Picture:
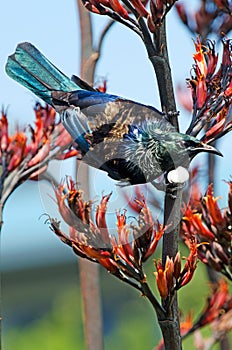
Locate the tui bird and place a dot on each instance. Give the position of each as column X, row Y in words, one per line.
column 132, row 142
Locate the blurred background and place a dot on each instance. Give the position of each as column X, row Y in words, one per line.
column 40, row 282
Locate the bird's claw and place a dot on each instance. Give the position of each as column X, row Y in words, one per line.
column 172, row 114
column 173, row 190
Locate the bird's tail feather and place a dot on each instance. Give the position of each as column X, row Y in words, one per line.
column 29, row 67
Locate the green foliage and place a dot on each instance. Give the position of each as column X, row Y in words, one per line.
column 135, row 329
column 60, row 329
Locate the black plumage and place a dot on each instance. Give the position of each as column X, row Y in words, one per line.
column 132, row 142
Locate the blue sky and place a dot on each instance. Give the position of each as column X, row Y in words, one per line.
column 52, row 26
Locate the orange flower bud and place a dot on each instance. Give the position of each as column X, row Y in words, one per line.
column 169, row 270
column 109, row 264
column 161, row 280
column 17, row 147
column 118, row 8
column 66, row 155
column 4, row 132
column 40, row 155
column 213, row 209
column 200, row 61
column 138, row 5
column 177, row 266
column 101, row 218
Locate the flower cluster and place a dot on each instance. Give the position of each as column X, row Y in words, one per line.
column 212, row 16
column 213, row 231
column 171, row 277
column 122, row 253
column 26, row 153
column 217, row 313
column 124, row 249
column 211, row 91
column 122, row 11
column 218, row 303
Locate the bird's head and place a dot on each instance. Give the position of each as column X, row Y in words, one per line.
column 194, row 146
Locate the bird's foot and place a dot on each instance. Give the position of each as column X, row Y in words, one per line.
column 174, row 190
column 172, row 114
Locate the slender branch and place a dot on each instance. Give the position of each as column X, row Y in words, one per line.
column 160, row 311
column 170, row 330
column 47, row 176
column 89, row 55
column 150, row 45
column 127, row 280
column 146, row 37
column 103, row 34
column 119, row 19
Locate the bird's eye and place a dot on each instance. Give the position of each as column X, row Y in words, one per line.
column 189, row 144
column 182, row 145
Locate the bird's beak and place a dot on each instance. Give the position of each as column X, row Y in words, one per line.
column 204, row 147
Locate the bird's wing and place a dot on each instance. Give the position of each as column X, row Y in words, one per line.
column 105, row 112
